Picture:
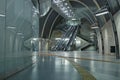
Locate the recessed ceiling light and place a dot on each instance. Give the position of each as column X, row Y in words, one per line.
column 66, row 4
column 68, row 7
column 56, row 1
column 66, row 11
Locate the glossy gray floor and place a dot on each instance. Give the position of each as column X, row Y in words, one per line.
column 54, row 68
column 101, row 67
column 49, row 68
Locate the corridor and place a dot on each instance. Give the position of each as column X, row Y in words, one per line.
column 59, row 39
column 58, row 66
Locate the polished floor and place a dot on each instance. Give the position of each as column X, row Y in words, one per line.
column 49, row 68
column 56, row 66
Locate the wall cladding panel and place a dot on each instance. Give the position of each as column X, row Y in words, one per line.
column 15, row 28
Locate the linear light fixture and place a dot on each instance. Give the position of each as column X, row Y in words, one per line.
column 96, row 27
column 11, row 27
column 35, row 39
column 101, row 12
column 57, row 38
column 19, row 33
column 57, row 1
column 2, row 15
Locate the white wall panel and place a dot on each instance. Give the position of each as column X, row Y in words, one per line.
column 13, row 55
column 117, row 21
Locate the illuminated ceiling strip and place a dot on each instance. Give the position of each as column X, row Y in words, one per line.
column 83, row 5
column 96, row 27
column 98, row 8
column 102, row 13
column 11, row 27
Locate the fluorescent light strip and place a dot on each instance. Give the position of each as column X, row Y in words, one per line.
column 35, row 39
column 11, row 27
column 66, row 4
column 2, row 15
column 94, row 27
column 56, row 1
column 19, row 33
column 102, row 13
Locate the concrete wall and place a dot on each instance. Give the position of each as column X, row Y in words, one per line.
column 108, row 33
column 2, row 36
column 108, row 37
column 99, row 42
column 15, row 28
column 117, row 21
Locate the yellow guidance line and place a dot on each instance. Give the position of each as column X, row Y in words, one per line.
column 95, row 60
column 81, row 58
column 84, row 73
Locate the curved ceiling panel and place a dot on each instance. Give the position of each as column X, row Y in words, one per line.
column 45, row 6
column 86, row 9
column 35, row 2
column 64, row 8
column 52, row 19
column 83, row 9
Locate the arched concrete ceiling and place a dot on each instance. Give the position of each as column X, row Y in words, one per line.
column 83, row 9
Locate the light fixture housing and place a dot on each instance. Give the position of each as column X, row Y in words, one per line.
column 19, row 33
column 95, row 27
column 102, row 11
column 2, row 15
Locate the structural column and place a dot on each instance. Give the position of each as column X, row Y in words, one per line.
column 43, row 45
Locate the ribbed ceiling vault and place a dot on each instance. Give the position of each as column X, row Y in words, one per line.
column 83, row 9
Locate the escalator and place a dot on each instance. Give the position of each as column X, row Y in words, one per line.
column 66, row 40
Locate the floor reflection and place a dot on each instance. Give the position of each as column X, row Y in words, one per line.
column 49, row 68
column 58, row 68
